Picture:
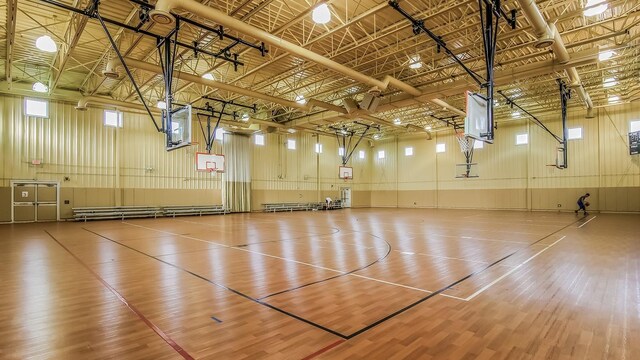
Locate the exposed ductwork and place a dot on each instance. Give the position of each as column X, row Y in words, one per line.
column 543, row 31
column 162, row 14
column 137, row 64
column 110, row 69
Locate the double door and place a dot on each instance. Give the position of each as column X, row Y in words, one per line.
column 34, row 201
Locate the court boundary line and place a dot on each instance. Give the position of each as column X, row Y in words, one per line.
column 586, row 222
column 129, row 305
column 340, row 272
column 419, row 301
column 237, row 292
column 408, row 307
column 486, row 287
column 323, row 350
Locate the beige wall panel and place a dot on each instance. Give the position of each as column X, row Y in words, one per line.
column 5, row 204
column 66, row 210
column 416, row 198
column 80, row 198
column 360, row 198
column 384, row 198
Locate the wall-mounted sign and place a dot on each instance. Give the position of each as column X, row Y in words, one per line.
column 634, row 143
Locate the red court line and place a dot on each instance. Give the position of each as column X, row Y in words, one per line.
column 324, row 349
column 151, row 325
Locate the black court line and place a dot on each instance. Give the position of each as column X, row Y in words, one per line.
column 437, row 292
column 225, row 287
column 336, row 276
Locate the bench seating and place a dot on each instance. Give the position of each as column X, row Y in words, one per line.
column 115, row 212
column 194, row 210
column 273, row 207
column 126, row 212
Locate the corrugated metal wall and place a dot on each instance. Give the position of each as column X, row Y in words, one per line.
column 77, row 145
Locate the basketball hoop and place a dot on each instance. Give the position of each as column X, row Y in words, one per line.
column 466, row 143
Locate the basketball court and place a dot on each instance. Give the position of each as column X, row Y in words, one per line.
column 325, row 285
column 277, row 179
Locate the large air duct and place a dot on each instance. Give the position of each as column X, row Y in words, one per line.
column 543, row 31
column 137, row 64
column 162, row 14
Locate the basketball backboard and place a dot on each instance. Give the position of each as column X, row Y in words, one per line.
column 180, row 133
column 345, row 172
column 475, row 124
column 209, row 162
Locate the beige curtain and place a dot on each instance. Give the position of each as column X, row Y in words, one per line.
column 237, row 174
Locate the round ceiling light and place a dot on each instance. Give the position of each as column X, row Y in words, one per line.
column 40, row 87
column 321, row 14
column 46, row 44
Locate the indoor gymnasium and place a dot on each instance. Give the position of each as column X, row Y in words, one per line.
column 319, row 179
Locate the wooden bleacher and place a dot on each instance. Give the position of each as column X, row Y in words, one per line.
column 127, row 212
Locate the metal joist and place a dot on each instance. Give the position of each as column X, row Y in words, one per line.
column 12, row 8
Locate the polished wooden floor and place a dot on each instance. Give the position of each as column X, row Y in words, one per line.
column 348, row 284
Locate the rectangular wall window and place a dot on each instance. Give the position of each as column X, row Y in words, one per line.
column 36, row 107
column 219, row 134
column 113, row 118
column 361, row 154
column 318, row 148
column 259, row 139
column 522, row 139
column 291, row 144
column 574, row 133
column 408, row 151
column 634, row 126
column 341, row 151
column 440, row 148
column 381, row 154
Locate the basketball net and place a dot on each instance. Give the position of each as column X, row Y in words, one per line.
column 466, row 143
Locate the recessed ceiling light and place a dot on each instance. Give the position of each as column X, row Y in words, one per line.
column 605, row 55
column 161, row 105
column 321, row 14
column 609, row 82
column 40, row 87
column 301, row 100
column 414, row 62
column 46, row 44
column 595, row 7
column 208, row 76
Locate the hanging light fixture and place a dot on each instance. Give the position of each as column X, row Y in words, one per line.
column 40, row 87
column 161, row 105
column 428, row 127
column 595, row 7
column 614, row 99
column 321, row 14
column 397, row 121
column 46, row 44
column 415, row 62
column 208, row 76
column 245, row 117
column 301, row 100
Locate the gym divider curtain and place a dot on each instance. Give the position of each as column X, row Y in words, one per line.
column 237, row 174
